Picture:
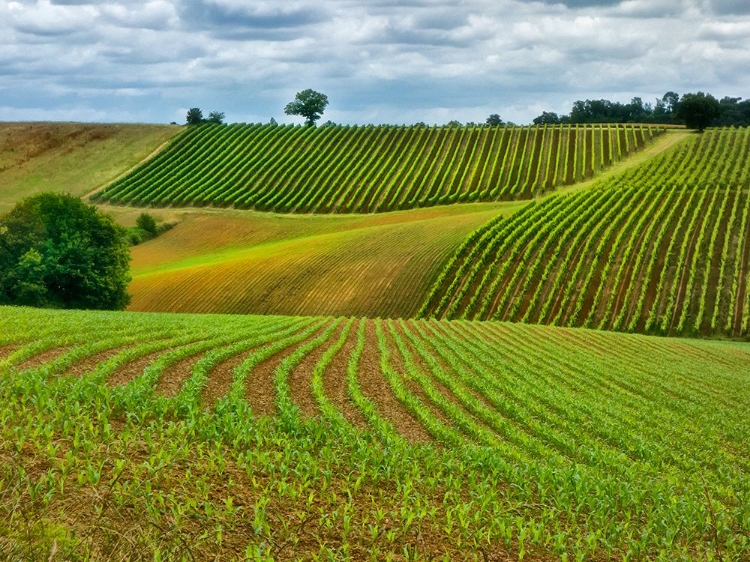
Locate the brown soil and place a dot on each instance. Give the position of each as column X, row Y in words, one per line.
column 6, row 350
column 300, row 379
column 220, row 379
column 376, row 388
column 335, row 385
column 446, row 368
column 42, row 358
column 741, row 289
column 130, row 371
column 399, row 364
column 685, row 270
column 88, row 364
column 174, row 377
column 260, row 387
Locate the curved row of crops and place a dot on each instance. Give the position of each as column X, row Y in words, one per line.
column 663, row 248
column 352, row 169
column 135, row 435
column 382, row 266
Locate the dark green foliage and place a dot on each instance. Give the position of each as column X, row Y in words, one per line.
column 494, row 120
column 547, row 118
column 57, row 251
column 698, row 110
column 146, row 222
column 308, row 104
column 194, row 116
column 216, row 117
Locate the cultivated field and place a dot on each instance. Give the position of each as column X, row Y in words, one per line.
column 70, row 158
column 177, row 437
column 342, row 169
column 244, row 262
column 662, row 248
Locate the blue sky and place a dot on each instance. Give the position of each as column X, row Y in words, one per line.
column 379, row 61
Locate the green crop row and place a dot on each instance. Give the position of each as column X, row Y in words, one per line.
column 661, row 248
column 359, row 439
column 353, row 169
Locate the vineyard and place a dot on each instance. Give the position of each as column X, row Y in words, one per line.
column 663, row 248
column 129, row 436
column 351, row 169
column 239, row 262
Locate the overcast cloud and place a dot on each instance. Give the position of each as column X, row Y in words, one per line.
column 379, row 61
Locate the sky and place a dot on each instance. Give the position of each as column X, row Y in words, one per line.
column 378, row 61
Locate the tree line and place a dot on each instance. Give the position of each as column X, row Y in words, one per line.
column 670, row 109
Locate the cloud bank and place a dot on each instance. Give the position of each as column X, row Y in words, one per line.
column 379, row 61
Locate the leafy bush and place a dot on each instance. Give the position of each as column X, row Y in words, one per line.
column 56, row 251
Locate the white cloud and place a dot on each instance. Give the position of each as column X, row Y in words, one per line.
column 378, row 60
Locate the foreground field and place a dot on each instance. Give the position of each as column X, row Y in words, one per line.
column 73, row 158
column 259, row 263
column 336, row 169
column 662, row 248
column 175, row 436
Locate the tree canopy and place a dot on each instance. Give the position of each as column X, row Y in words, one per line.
column 216, row 117
column 494, row 120
column 730, row 111
column 698, row 110
column 194, row 116
column 308, row 104
column 57, row 251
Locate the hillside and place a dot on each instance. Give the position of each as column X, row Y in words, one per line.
column 73, row 158
column 260, row 263
column 253, row 437
column 343, row 169
column 662, row 248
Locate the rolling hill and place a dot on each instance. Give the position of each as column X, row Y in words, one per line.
column 73, row 158
column 202, row 436
column 343, row 169
column 662, row 248
column 260, row 263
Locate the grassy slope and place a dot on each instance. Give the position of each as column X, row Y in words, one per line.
column 244, row 262
column 70, row 158
column 660, row 248
column 134, row 436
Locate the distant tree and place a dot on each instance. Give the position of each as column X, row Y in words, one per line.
column 329, row 123
column 494, row 121
column 194, row 116
column 57, row 251
column 272, row 121
column 698, row 110
column 216, row 117
column 146, row 222
column 670, row 101
column 454, row 123
column 308, row 104
column 547, row 118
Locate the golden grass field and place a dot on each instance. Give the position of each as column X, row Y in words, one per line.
column 241, row 262
column 73, row 158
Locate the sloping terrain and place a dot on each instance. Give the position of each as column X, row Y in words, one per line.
column 73, row 158
column 259, row 263
column 279, row 437
column 343, row 169
column 663, row 248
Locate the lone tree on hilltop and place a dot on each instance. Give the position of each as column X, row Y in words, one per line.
column 494, row 120
column 58, row 252
column 698, row 110
column 216, row 117
column 308, row 104
column 194, row 116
